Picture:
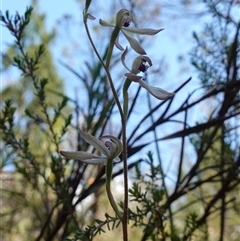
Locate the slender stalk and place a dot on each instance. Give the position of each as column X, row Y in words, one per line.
column 123, row 218
column 115, row 95
column 125, row 166
column 223, row 198
column 125, row 173
column 109, row 167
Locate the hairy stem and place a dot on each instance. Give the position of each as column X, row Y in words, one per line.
column 123, row 218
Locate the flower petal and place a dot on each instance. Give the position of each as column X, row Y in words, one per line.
column 141, row 61
column 123, row 16
column 90, row 16
column 85, row 157
column 136, row 64
column 123, row 59
column 155, row 91
column 148, row 60
column 114, row 145
column 95, row 142
column 116, row 159
column 134, row 44
column 118, row 45
column 142, row 31
column 105, row 24
column 77, row 155
column 133, row 77
column 97, row 161
column 113, row 149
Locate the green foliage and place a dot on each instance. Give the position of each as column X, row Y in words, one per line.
column 31, row 36
column 99, row 104
column 216, row 51
column 32, row 139
column 97, row 228
column 147, row 212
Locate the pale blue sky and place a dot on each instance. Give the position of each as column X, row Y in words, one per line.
column 169, row 44
column 173, row 41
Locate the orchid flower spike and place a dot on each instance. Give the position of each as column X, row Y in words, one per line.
column 110, row 148
column 141, row 64
column 123, row 21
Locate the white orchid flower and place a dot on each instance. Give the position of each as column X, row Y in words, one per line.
column 123, row 21
column 141, row 64
column 110, row 148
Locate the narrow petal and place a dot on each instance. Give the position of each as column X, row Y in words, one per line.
column 84, row 157
column 118, row 45
column 142, row 31
column 95, row 142
column 123, row 59
column 90, row 16
column 78, row 155
column 116, row 159
column 105, row 24
column 97, row 161
column 155, row 91
column 133, row 77
column 134, row 44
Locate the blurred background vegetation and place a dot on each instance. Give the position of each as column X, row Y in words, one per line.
column 184, row 153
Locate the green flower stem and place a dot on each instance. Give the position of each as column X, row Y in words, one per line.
column 125, row 174
column 109, row 168
column 125, row 166
column 106, row 68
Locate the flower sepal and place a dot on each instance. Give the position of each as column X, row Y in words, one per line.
column 141, row 64
column 123, row 21
column 110, row 148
